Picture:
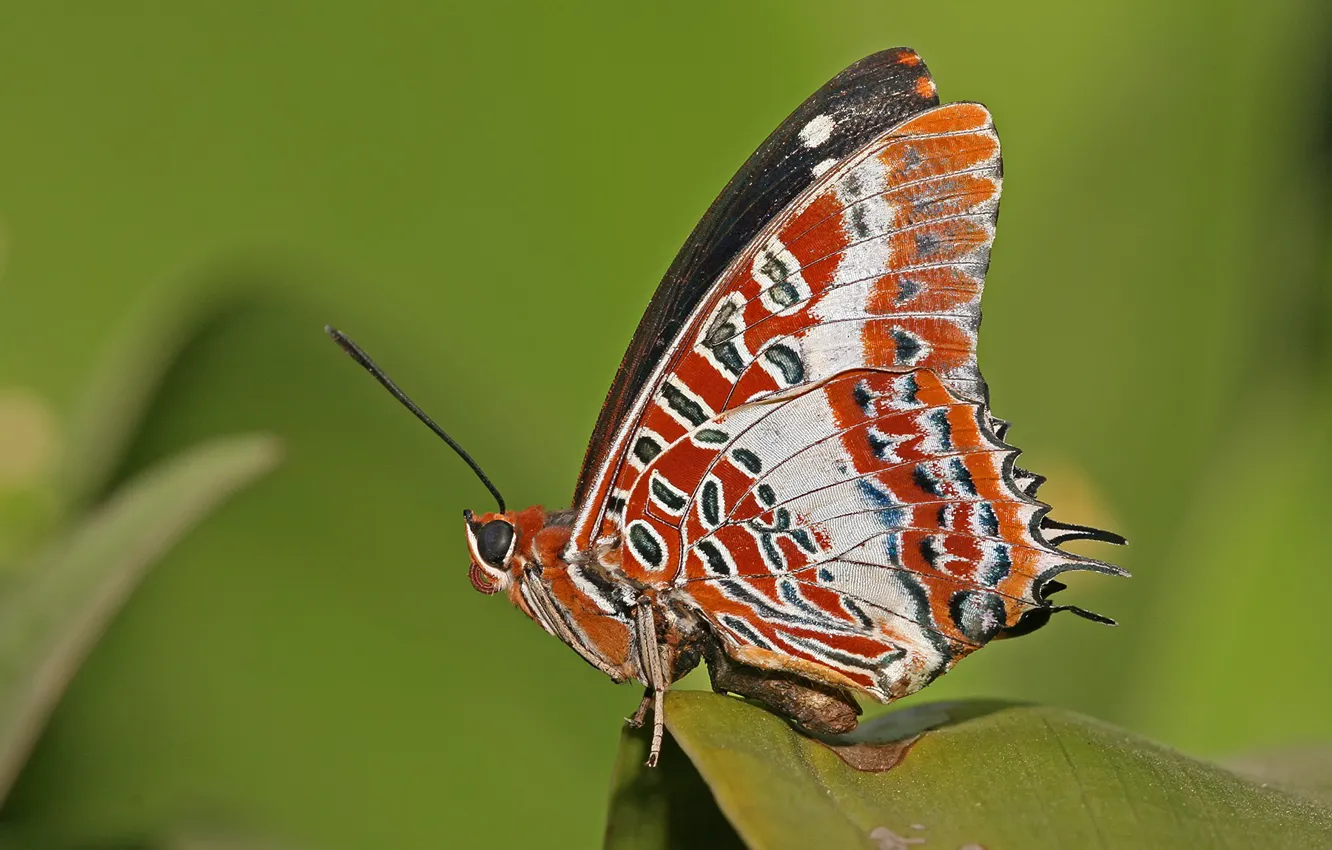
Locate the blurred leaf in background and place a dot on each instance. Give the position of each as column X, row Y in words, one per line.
column 70, row 561
column 54, row 609
column 485, row 196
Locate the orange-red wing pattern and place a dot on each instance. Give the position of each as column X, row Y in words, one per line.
column 816, row 473
column 796, row 468
column 865, row 530
column 880, row 263
column 833, row 123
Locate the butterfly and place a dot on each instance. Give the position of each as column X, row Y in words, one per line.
column 796, row 476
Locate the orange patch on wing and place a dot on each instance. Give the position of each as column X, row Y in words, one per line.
column 908, row 58
column 939, row 289
column 949, row 241
column 925, row 87
column 931, row 391
column 943, row 196
column 753, row 381
column 662, row 423
column 840, row 395
column 820, row 208
column 953, row 118
column 825, row 238
column 913, row 158
column 949, row 347
column 704, row 379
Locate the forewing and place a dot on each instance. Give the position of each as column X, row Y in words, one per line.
column 880, row 263
column 866, row 531
column 852, row 108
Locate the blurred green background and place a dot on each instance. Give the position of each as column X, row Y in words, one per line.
column 485, row 195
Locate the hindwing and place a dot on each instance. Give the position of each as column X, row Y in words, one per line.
column 866, row 530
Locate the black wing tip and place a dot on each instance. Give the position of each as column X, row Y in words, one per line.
column 901, row 55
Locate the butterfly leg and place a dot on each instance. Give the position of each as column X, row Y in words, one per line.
column 652, row 671
column 641, row 714
column 821, row 709
column 658, row 726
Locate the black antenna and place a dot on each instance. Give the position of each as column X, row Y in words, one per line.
column 369, row 365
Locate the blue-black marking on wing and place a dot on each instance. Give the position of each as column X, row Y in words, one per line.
column 864, row 100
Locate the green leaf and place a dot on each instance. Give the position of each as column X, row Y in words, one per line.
column 955, row 775
column 666, row 809
column 52, row 611
column 1304, row 770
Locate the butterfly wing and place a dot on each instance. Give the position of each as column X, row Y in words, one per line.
column 880, row 262
column 865, row 530
column 855, row 106
column 810, row 465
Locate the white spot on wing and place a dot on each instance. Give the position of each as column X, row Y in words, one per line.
column 817, row 131
column 823, row 166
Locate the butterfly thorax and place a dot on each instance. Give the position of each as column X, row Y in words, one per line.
column 578, row 597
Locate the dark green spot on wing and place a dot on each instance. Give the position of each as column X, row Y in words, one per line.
column 672, row 499
column 787, row 362
column 749, row 460
column 682, row 404
column 710, row 503
column 645, row 545
column 646, row 448
column 711, row 435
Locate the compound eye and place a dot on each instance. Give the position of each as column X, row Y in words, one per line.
column 493, row 541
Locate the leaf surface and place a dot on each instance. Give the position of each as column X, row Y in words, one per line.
column 957, row 775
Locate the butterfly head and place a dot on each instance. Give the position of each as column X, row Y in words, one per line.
column 493, row 541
